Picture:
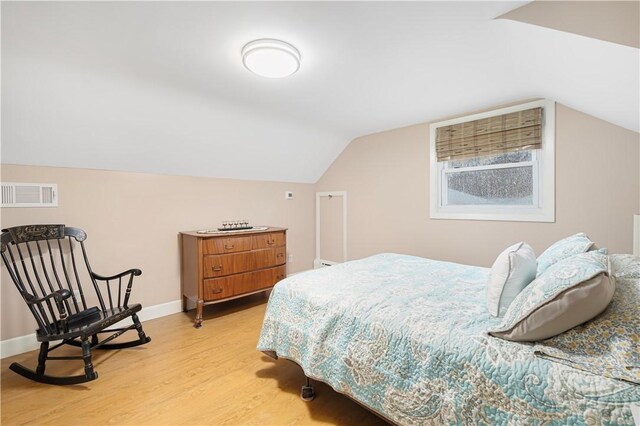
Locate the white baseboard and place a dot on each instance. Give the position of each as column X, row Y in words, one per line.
column 18, row 345
column 161, row 310
column 21, row 344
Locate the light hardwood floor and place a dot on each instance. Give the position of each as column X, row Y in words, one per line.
column 210, row 376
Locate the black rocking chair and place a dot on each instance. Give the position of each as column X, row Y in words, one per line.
column 41, row 260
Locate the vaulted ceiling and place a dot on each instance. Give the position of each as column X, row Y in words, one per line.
column 159, row 86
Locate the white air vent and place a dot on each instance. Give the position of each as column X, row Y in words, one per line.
column 29, row 194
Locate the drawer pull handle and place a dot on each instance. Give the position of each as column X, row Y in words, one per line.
column 217, row 268
column 280, row 254
column 217, row 291
column 229, row 247
column 271, row 242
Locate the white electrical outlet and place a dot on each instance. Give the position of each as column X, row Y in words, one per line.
column 288, row 195
column 290, row 258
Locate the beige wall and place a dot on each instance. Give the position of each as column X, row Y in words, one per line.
column 615, row 21
column 133, row 220
column 386, row 176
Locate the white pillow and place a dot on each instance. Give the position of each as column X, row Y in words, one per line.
column 512, row 271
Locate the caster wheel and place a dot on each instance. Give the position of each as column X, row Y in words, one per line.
column 307, row 393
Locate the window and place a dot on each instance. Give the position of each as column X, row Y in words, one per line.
column 497, row 165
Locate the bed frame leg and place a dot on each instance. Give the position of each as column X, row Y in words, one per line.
column 308, row 392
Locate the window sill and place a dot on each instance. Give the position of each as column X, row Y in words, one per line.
column 523, row 215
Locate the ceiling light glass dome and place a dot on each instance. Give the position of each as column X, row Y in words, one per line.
column 271, row 58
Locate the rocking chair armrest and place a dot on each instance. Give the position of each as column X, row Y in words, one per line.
column 134, row 272
column 58, row 295
column 130, row 273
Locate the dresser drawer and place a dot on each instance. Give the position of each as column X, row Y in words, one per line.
column 219, row 265
column 279, row 274
column 267, row 258
column 271, row 239
column 220, row 288
column 227, row 245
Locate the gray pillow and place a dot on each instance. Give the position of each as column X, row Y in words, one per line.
column 567, row 294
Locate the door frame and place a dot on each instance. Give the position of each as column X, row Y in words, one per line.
column 319, row 262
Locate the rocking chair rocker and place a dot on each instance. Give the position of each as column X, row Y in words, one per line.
column 42, row 263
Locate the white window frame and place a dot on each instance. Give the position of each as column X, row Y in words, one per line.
column 543, row 162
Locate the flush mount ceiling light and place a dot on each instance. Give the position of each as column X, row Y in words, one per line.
column 271, row 58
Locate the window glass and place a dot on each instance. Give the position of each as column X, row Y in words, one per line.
column 503, row 186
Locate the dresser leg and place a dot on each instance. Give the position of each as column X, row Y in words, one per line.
column 198, row 322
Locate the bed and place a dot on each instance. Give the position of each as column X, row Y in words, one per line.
column 407, row 338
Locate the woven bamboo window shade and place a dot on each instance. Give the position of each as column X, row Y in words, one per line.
column 515, row 131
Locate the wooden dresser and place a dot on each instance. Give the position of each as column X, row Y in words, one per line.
column 224, row 266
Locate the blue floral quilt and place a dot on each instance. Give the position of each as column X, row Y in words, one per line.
column 406, row 337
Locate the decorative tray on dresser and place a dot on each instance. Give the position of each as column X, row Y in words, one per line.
column 224, row 265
